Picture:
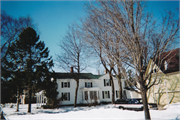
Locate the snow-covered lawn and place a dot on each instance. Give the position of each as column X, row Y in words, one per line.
column 104, row 112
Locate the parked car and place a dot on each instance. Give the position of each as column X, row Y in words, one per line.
column 129, row 104
column 133, row 104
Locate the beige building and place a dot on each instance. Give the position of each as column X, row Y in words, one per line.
column 168, row 76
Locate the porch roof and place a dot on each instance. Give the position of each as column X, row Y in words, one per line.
column 90, row 88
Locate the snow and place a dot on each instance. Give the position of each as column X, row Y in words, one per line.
column 103, row 112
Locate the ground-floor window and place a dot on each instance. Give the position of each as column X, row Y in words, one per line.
column 93, row 95
column 105, row 94
column 66, row 96
column 86, row 95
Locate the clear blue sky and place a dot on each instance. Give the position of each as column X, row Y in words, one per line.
column 53, row 17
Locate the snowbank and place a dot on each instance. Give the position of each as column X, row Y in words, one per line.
column 105, row 112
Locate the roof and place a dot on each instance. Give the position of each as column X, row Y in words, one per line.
column 172, row 59
column 74, row 76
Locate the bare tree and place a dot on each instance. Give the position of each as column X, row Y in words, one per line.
column 95, row 37
column 73, row 55
column 140, row 39
column 11, row 28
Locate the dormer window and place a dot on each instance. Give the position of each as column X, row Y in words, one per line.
column 165, row 65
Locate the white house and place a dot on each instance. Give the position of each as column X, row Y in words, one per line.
column 92, row 88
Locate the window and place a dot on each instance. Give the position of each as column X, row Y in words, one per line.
column 86, row 95
column 107, row 82
column 88, row 84
column 105, row 94
column 65, row 84
column 66, row 96
column 93, row 95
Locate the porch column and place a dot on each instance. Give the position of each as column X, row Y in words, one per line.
column 43, row 99
column 36, row 101
column 88, row 96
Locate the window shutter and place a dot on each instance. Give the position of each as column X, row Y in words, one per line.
column 116, row 94
column 91, row 84
column 103, row 94
column 68, row 96
column 68, row 84
column 62, row 96
column 104, row 82
column 85, row 84
column 108, row 95
column 61, row 84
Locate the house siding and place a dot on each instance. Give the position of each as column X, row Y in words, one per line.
column 97, row 85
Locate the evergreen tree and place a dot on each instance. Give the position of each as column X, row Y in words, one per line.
column 12, row 75
column 31, row 59
column 50, row 87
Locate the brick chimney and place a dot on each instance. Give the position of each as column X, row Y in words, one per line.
column 105, row 71
column 72, row 71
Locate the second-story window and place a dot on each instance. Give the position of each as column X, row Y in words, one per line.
column 88, row 84
column 107, row 82
column 65, row 84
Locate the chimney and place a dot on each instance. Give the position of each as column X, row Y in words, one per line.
column 98, row 72
column 105, row 71
column 72, row 70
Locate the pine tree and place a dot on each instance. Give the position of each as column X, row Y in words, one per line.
column 31, row 59
column 50, row 87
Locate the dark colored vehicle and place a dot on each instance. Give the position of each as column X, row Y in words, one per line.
column 129, row 104
column 133, row 104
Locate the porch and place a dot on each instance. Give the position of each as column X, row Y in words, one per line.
column 90, row 95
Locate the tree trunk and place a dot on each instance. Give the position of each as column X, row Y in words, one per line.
column 29, row 105
column 112, row 86
column 76, row 92
column 17, row 101
column 120, row 86
column 145, row 105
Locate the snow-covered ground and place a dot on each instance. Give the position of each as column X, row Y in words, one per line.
column 104, row 112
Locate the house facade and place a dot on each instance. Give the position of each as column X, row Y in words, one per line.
column 168, row 89
column 92, row 88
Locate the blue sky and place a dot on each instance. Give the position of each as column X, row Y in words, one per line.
column 53, row 17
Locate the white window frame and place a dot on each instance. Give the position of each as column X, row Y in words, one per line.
column 105, row 94
column 67, row 97
column 65, row 84
column 88, row 84
column 107, row 82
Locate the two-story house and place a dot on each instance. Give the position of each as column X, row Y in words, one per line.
column 92, row 88
column 168, row 75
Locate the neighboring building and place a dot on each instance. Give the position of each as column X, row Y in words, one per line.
column 92, row 88
column 24, row 97
column 41, row 99
column 168, row 90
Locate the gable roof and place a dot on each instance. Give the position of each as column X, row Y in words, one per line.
column 74, row 76
column 172, row 59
